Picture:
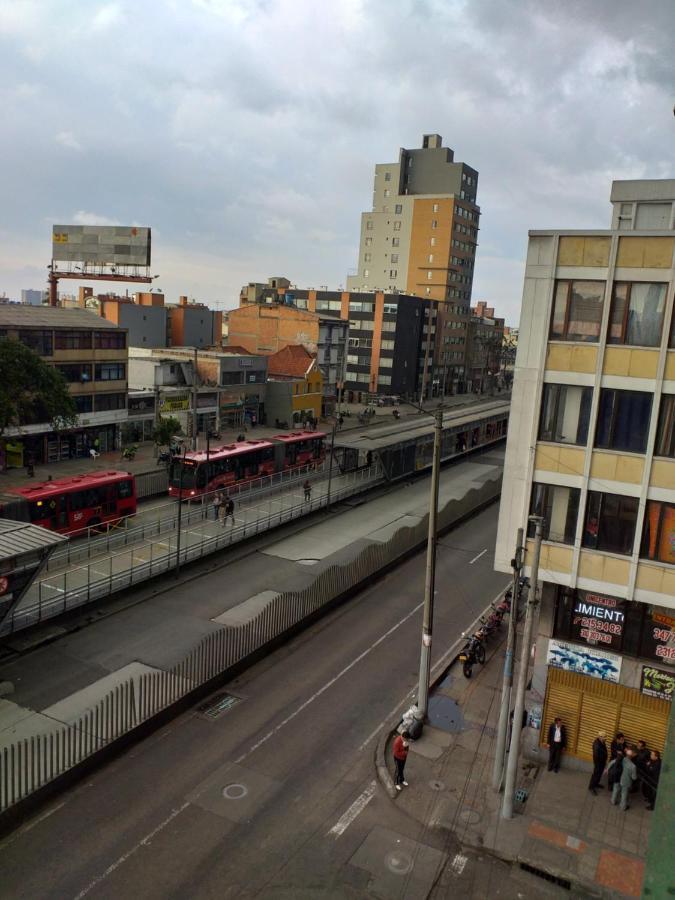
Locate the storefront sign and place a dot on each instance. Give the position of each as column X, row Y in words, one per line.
column 207, row 401
column 573, row 658
column 658, row 639
column 598, row 620
column 140, row 405
column 174, row 404
column 657, row 683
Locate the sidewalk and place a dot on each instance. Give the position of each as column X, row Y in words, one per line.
column 561, row 829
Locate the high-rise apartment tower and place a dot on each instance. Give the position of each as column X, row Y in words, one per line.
column 420, row 238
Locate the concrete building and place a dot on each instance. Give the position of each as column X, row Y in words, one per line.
column 152, row 323
column 91, row 354
column 34, row 298
column 420, row 239
column 294, row 387
column 591, row 448
column 485, row 340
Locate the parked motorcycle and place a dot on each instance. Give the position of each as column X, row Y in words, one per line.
column 471, row 654
column 129, row 452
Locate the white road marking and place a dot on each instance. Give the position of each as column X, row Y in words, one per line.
column 328, row 684
column 458, row 863
column 357, row 807
column 122, row 859
column 476, row 558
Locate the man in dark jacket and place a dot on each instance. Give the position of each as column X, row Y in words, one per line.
column 650, row 781
column 617, row 745
column 557, row 741
column 599, row 762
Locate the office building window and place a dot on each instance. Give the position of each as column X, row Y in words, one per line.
column 431, row 257
column 367, row 257
column 432, row 242
column 352, row 360
column 623, row 420
column 366, row 273
column 387, row 176
column 434, row 223
column 658, row 532
column 397, row 226
column 637, row 314
column 559, row 507
column 565, row 413
column 387, row 192
column 665, row 433
column 73, row 340
column 398, row 209
column 369, row 225
column 110, row 371
column 110, row 340
column 369, row 242
column 387, row 345
column 577, row 311
column 388, row 325
column 84, row 403
column 40, row 342
column 610, row 523
column 435, row 207
column 395, row 242
column 361, row 306
column 427, row 290
column 430, row 275
column 110, row 401
column 75, row 373
column 390, row 309
column 384, row 379
column 393, row 258
column 386, row 362
column 393, row 273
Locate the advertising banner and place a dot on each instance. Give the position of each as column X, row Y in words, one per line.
column 174, row 404
column 658, row 637
column 583, row 660
column 657, row 683
column 598, row 620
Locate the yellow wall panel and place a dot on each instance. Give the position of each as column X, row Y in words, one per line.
column 633, row 363
column 669, row 374
column 571, row 358
column 603, row 465
column 590, row 565
column 560, row 559
column 596, row 251
column 668, row 583
column 616, row 570
column 650, row 578
column 571, row 460
column 547, row 458
column 603, row 568
column 629, row 469
column 645, row 252
column 570, row 251
column 663, row 473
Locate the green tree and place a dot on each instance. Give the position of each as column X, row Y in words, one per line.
column 32, row 391
column 165, row 430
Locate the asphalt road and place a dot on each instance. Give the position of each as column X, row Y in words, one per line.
column 276, row 796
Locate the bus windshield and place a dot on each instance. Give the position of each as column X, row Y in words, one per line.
column 191, row 473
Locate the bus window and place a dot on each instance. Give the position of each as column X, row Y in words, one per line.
column 125, row 489
column 38, row 510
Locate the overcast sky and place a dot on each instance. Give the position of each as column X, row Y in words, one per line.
column 245, row 132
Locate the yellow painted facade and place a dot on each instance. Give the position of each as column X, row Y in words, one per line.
column 307, row 393
column 556, row 458
column 601, row 567
column 553, row 557
column 571, row 358
column 583, row 251
column 617, row 467
column 653, row 577
column 663, row 474
column 645, row 252
column 630, row 362
column 669, row 373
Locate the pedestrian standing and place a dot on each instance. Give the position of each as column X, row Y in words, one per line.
column 622, row 787
column 307, row 488
column 557, row 741
column 217, row 503
column 618, row 745
column 401, row 747
column 650, row 780
column 229, row 510
column 599, row 762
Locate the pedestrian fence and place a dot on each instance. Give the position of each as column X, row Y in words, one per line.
column 60, row 592
column 109, row 536
column 31, row 763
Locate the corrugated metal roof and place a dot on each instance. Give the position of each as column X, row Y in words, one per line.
column 21, row 316
column 17, row 538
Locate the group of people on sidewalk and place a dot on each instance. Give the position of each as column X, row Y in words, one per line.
column 223, row 505
column 632, row 767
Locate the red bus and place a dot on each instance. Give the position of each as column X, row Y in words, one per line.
column 242, row 461
column 71, row 504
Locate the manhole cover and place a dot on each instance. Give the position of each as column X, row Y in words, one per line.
column 235, row 791
column 469, row 817
column 437, row 785
column 217, row 705
column 399, row 862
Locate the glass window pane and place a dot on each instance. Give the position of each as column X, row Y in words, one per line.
column 658, row 533
column 610, row 522
column 559, row 307
column 665, row 435
column 623, row 420
column 585, row 311
column 645, row 317
column 559, row 507
column 616, row 323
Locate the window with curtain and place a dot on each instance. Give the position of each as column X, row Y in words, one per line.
column 610, row 523
column 658, row 532
column 637, row 313
column 559, row 507
column 665, row 432
column 565, row 412
column 577, row 311
column 623, row 420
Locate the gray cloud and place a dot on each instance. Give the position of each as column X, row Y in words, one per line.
column 245, row 133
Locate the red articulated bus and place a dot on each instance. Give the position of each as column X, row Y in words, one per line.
column 68, row 505
column 242, row 461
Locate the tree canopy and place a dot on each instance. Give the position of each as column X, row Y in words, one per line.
column 165, row 430
column 32, row 391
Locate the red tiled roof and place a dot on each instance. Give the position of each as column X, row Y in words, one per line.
column 292, row 361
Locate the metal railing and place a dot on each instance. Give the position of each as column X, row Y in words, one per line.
column 57, row 593
column 30, row 764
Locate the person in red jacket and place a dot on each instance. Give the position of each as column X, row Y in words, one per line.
column 401, row 747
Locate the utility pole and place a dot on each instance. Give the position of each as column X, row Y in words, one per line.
column 330, row 464
column 426, row 355
column 194, row 402
column 507, row 679
column 430, row 578
column 180, row 511
column 514, row 749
